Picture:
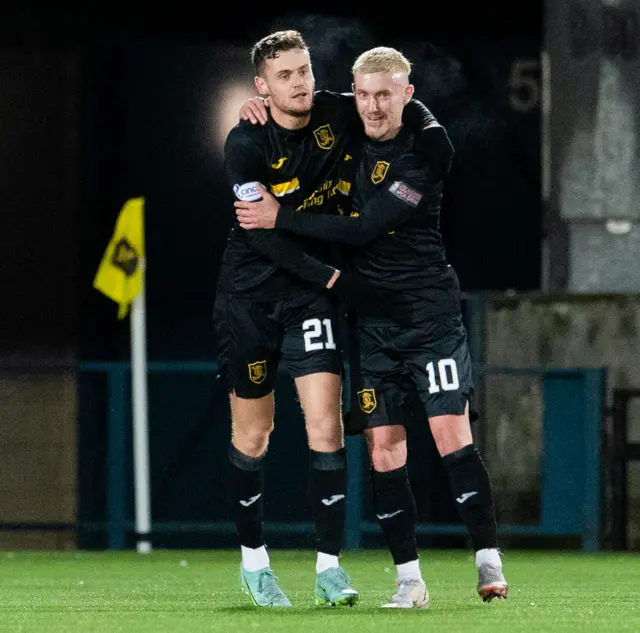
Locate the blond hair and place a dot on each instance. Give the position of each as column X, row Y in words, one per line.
column 381, row 60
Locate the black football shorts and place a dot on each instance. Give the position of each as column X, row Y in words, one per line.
column 404, row 375
column 256, row 339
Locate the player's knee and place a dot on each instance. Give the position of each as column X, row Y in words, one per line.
column 387, row 447
column 385, row 459
column 450, row 433
column 324, row 432
column 386, row 453
column 252, row 439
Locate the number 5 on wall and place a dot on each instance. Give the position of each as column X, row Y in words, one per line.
column 524, row 85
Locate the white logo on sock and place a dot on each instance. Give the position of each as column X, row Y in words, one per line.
column 332, row 499
column 388, row 516
column 250, row 500
column 465, row 495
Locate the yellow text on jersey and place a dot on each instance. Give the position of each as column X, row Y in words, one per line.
column 325, row 191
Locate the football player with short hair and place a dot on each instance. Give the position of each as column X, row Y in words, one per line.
column 276, row 307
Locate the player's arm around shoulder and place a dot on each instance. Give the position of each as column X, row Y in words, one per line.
column 435, row 147
column 333, row 98
column 341, row 104
column 432, row 140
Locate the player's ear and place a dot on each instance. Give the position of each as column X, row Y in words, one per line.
column 408, row 93
column 261, row 86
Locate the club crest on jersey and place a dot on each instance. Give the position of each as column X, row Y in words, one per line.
column 258, row 371
column 324, row 136
column 367, row 399
column 379, row 171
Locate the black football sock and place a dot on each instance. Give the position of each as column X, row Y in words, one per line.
column 471, row 488
column 327, row 498
column 395, row 508
column 246, row 488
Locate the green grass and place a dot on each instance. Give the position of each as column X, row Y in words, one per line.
column 197, row 591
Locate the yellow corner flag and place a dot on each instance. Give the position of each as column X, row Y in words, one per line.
column 120, row 273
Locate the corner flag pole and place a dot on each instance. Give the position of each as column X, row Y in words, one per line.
column 121, row 277
column 140, row 418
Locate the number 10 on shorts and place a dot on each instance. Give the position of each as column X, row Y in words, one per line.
column 446, row 378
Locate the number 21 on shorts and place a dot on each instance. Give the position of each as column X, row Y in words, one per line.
column 446, row 377
column 315, row 331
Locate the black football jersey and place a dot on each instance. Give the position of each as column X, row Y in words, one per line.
column 301, row 168
column 393, row 225
column 305, row 170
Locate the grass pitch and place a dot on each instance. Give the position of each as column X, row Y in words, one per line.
column 198, row 591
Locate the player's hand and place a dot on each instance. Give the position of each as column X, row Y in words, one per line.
column 255, row 110
column 261, row 214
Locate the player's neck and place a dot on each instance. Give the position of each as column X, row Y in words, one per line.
column 288, row 121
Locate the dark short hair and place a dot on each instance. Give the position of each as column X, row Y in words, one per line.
column 271, row 46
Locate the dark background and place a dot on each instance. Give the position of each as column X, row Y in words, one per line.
column 109, row 104
column 28, row 24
